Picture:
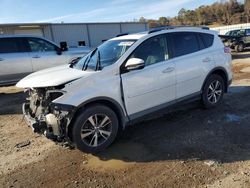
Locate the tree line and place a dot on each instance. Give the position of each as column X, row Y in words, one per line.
column 219, row 13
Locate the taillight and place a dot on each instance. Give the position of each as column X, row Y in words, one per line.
column 227, row 50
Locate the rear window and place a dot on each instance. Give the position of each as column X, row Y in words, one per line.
column 8, row 45
column 184, row 43
column 207, row 39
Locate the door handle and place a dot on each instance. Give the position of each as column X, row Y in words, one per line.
column 206, row 60
column 169, row 69
column 1, row 59
column 36, row 56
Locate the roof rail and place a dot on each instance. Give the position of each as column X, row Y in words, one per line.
column 156, row 29
column 122, row 34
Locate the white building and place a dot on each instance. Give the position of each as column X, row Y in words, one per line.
column 75, row 34
column 223, row 29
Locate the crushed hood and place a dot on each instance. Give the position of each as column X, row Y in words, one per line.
column 52, row 77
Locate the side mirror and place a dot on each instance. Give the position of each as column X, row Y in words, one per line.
column 58, row 51
column 64, row 46
column 135, row 64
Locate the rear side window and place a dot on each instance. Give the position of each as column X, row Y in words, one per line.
column 9, row 45
column 207, row 39
column 184, row 43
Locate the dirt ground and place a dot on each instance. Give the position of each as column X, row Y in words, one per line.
column 189, row 147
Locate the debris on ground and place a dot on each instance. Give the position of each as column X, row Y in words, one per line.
column 212, row 163
column 23, row 144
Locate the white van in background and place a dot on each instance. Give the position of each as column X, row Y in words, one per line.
column 21, row 55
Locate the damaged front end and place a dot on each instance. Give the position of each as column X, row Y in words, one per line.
column 46, row 117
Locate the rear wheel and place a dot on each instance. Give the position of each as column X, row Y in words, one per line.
column 239, row 47
column 213, row 91
column 95, row 129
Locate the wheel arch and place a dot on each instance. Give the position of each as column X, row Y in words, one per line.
column 111, row 103
column 221, row 72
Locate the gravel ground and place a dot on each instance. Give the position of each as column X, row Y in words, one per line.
column 188, row 147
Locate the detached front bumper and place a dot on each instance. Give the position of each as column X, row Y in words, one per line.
column 53, row 125
column 36, row 125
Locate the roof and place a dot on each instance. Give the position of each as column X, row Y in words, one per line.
column 20, row 36
column 136, row 36
column 90, row 23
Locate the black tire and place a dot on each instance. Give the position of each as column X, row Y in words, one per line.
column 240, row 47
column 85, row 123
column 211, row 98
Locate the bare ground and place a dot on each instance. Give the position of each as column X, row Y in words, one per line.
column 189, row 147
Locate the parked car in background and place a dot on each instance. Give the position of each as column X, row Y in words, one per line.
column 22, row 55
column 237, row 39
column 123, row 81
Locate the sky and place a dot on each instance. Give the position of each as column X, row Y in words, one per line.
column 68, row 11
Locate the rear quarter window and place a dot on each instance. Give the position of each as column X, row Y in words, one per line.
column 207, row 39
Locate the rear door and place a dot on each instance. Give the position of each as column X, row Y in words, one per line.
column 190, row 62
column 15, row 62
column 44, row 54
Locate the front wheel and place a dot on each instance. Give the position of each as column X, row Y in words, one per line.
column 213, row 91
column 95, row 129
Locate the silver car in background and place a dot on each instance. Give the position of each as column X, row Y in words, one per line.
column 22, row 55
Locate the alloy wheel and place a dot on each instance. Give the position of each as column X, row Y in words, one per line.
column 96, row 130
column 214, row 92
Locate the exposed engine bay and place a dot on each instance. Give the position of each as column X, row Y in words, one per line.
column 44, row 116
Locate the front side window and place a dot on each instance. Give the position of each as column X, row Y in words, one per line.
column 9, row 45
column 39, row 45
column 152, row 51
column 184, row 43
column 241, row 33
column 106, row 54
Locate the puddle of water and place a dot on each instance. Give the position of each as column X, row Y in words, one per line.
column 118, row 156
column 238, row 89
column 233, row 118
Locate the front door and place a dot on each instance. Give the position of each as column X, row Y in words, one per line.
column 44, row 54
column 247, row 37
column 152, row 87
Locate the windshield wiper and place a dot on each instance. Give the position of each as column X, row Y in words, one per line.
column 74, row 61
column 85, row 65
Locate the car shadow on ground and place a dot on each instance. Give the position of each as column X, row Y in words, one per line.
column 11, row 103
column 189, row 132
column 241, row 55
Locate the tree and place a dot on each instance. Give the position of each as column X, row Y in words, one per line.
column 247, row 10
column 163, row 21
column 142, row 19
column 223, row 12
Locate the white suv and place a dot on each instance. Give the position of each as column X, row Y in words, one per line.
column 124, row 80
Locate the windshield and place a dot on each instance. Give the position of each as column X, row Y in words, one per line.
column 106, row 54
column 236, row 33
